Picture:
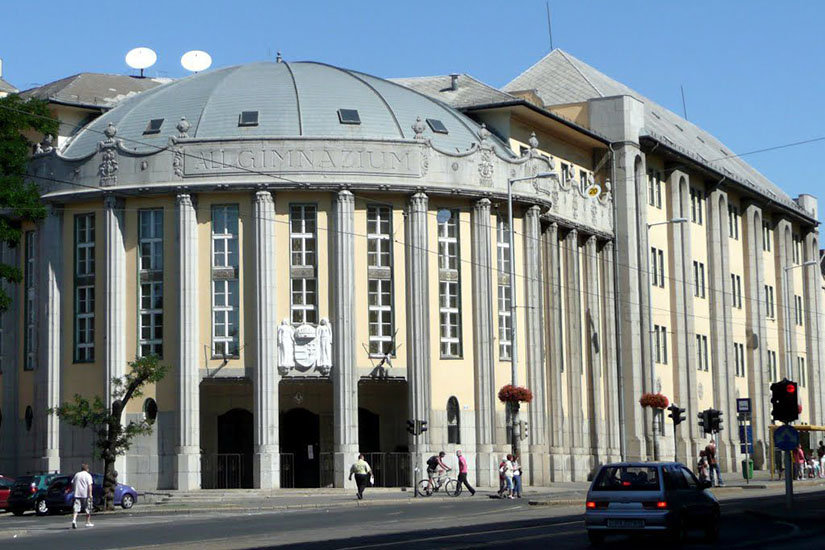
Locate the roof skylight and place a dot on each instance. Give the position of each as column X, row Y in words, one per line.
column 437, row 126
column 153, row 127
column 349, row 116
column 248, row 118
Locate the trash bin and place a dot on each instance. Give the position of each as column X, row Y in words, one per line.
column 747, row 471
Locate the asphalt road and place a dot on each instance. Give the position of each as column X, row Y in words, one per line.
column 440, row 522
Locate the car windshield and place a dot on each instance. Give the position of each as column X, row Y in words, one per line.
column 61, row 482
column 24, row 480
column 627, row 478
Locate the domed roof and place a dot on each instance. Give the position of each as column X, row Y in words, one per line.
column 291, row 100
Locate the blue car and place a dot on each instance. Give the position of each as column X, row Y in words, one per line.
column 60, row 494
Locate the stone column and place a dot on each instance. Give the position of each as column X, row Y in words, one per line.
column 756, row 330
column 418, row 319
column 483, row 338
column 593, row 356
column 266, row 472
column 683, row 328
column 537, row 410
column 612, row 395
column 48, row 371
column 187, row 465
column 114, row 284
column 812, row 282
column 580, row 456
column 344, row 373
column 784, row 299
column 721, row 323
column 558, row 432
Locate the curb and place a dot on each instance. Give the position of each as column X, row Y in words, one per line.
column 13, row 534
column 559, row 502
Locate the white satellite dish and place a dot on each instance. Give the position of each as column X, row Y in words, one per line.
column 196, row 61
column 141, row 58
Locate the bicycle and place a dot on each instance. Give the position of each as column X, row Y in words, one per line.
column 450, row 485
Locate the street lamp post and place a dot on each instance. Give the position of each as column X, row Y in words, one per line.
column 514, row 417
column 655, row 426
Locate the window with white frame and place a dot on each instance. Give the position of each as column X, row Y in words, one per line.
column 504, row 298
column 736, row 290
column 733, row 222
column 739, row 359
column 150, row 287
column 696, row 206
column 660, row 339
column 803, row 375
column 449, row 286
column 797, row 249
column 772, row 366
column 30, row 313
column 702, row 352
column 770, row 305
column 303, row 246
column 84, row 341
column 654, row 188
column 767, row 236
column 798, row 311
column 657, row 263
column 380, row 280
column 698, row 279
column 225, row 285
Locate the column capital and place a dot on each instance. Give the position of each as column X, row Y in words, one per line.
column 533, row 211
column 183, row 199
column 345, row 195
column 263, row 196
column 419, row 201
column 112, row 202
column 482, row 204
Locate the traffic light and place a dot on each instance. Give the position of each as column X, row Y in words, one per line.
column 422, row 426
column 411, row 427
column 523, row 429
column 785, row 401
column 704, row 421
column 715, row 420
column 676, row 413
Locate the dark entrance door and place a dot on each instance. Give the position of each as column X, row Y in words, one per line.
column 368, row 432
column 301, row 437
column 235, row 446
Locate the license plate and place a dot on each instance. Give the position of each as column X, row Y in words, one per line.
column 625, row 523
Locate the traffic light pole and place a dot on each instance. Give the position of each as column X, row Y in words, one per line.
column 675, row 444
column 788, row 481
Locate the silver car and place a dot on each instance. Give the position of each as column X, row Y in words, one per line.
column 649, row 497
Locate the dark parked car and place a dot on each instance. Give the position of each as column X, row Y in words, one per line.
column 60, row 495
column 29, row 493
column 5, row 489
column 649, row 497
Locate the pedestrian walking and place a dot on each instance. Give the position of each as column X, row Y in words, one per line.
column 362, row 472
column 702, row 466
column 517, row 477
column 799, row 462
column 507, row 470
column 820, row 453
column 713, row 464
column 82, row 483
column 462, row 474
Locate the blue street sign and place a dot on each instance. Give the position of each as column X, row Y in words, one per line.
column 742, row 434
column 748, row 451
column 786, row 438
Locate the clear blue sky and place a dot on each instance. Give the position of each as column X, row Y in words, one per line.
column 753, row 71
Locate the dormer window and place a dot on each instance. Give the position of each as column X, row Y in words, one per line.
column 349, row 116
column 437, row 126
column 153, row 127
column 248, row 118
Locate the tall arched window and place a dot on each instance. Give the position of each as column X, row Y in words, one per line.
column 453, row 422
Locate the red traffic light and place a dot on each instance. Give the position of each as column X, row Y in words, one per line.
column 790, row 388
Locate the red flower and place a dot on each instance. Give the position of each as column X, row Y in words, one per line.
column 655, row 400
column 514, row 394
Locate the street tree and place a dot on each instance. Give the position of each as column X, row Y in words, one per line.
column 112, row 438
column 19, row 198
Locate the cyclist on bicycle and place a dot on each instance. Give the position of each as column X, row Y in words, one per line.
column 435, row 468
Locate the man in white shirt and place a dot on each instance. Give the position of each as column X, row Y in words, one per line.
column 82, row 485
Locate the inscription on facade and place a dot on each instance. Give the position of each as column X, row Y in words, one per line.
column 235, row 160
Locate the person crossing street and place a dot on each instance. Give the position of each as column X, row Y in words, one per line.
column 362, row 472
column 82, row 486
column 462, row 474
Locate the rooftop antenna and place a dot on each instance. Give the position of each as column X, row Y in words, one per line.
column 684, row 105
column 549, row 26
column 196, row 61
column 141, row 58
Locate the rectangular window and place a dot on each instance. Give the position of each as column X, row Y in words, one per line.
column 654, row 188
column 657, row 260
column 696, row 206
column 84, row 295
column 660, row 339
column 736, row 290
column 449, row 276
column 30, row 312
column 770, row 305
column 702, row 352
column 380, row 280
column 739, row 359
column 798, row 311
column 772, row 366
column 379, row 237
column 303, row 246
column 767, row 236
column 797, row 249
column 698, row 279
column 803, row 375
column 733, row 222
column 225, row 286
column 504, row 273
column 380, row 316
column 150, row 287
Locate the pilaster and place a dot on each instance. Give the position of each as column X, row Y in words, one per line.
column 784, row 299
column 114, row 284
column 580, row 465
column 266, row 469
column 344, row 374
column 187, row 474
column 812, row 285
column 558, row 427
column 593, row 342
column 612, row 393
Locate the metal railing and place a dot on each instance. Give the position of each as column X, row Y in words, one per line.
column 327, row 465
column 390, row 469
column 287, row 470
column 222, row 471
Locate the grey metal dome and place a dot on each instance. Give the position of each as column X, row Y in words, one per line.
column 291, row 100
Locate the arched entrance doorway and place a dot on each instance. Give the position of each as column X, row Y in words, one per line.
column 300, row 437
column 369, row 431
column 235, row 447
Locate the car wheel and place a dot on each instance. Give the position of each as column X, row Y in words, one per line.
column 127, row 501
column 596, row 538
column 40, row 507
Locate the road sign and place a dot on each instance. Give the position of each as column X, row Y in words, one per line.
column 786, row 438
column 743, row 405
column 746, row 450
column 742, row 434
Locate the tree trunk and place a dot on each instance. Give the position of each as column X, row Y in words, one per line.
column 109, row 482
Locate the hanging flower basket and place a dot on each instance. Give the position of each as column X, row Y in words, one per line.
column 514, row 394
column 655, row 400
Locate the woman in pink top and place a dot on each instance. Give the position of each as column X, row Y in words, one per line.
column 462, row 474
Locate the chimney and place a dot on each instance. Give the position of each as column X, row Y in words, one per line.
column 454, row 81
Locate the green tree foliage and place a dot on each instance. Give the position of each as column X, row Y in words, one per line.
column 112, row 438
column 19, row 199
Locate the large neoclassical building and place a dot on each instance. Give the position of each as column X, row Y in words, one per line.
column 320, row 255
